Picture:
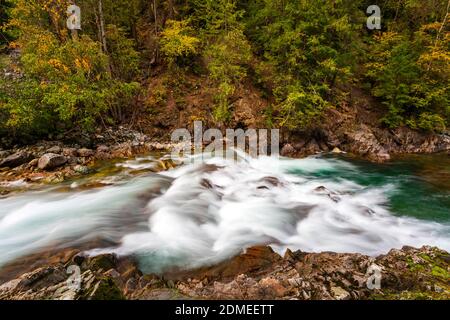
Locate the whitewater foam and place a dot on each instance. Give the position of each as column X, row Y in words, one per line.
column 203, row 213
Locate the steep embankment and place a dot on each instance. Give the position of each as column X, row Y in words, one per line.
column 354, row 126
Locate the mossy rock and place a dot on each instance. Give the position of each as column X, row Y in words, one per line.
column 103, row 262
column 105, row 289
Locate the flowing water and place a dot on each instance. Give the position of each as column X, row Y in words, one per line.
column 201, row 214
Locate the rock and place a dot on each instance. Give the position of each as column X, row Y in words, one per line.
column 257, row 274
column 81, row 169
column 337, row 151
column 102, row 262
column 54, row 178
column 55, row 149
column 103, row 149
column 287, row 150
column 382, row 156
column 312, row 147
column 33, row 163
column 72, row 160
column 70, row 152
column 300, row 144
column 36, row 177
column 364, row 142
column 15, row 160
column 274, row 286
column 50, row 161
column 85, row 153
column 340, row 294
column 4, row 154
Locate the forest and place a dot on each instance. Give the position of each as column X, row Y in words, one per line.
column 301, row 55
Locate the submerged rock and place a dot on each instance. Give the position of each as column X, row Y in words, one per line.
column 81, row 169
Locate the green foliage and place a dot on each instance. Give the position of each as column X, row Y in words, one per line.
column 227, row 51
column 310, row 46
column 124, row 58
column 67, row 83
column 300, row 108
column 411, row 77
column 303, row 54
column 5, row 14
column 177, row 42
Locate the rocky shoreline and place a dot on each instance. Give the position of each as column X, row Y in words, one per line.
column 52, row 162
column 259, row 274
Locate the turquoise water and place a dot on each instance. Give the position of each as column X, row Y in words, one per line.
column 420, row 183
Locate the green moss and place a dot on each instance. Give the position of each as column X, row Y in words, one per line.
column 5, row 61
column 414, row 267
column 439, row 272
column 409, row 295
column 104, row 262
column 105, row 289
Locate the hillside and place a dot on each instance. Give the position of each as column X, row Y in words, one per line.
column 311, row 68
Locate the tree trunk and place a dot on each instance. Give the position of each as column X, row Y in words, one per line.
column 102, row 26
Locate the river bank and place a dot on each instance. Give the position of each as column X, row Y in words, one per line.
column 257, row 274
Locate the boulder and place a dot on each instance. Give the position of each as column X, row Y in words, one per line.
column 287, row 150
column 50, row 161
column 15, row 160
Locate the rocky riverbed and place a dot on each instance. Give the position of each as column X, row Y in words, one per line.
column 52, row 162
column 258, row 273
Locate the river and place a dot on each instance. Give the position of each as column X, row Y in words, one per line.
column 203, row 213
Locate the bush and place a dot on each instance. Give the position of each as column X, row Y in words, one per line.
column 66, row 84
column 177, row 44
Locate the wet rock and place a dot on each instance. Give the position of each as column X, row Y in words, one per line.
column 51, row 161
column 364, row 142
column 312, row 147
column 288, row 150
column 337, row 151
column 258, row 274
column 102, row 262
column 81, row 169
column 36, row 177
column 15, row 160
column 54, row 178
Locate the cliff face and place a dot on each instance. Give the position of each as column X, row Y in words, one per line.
column 259, row 273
